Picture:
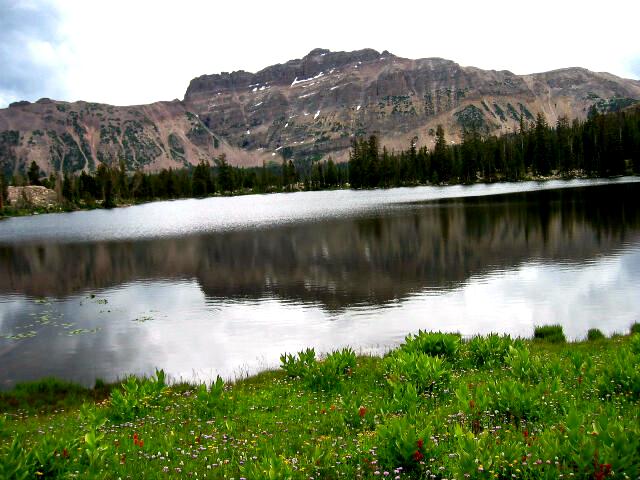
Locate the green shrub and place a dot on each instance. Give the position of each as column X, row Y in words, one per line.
column 296, row 366
column 635, row 328
column 433, row 343
column 327, row 374
column 428, row 374
column 137, row 396
column 490, row 351
column 401, row 444
column 17, row 461
column 549, row 333
column 342, row 361
column 594, row 334
column 211, row 400
column 404, row 397
column 515, row 400
column 521, row 364
column 634, row 343
column 621, row 376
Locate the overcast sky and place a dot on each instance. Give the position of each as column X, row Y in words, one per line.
column 139, row 51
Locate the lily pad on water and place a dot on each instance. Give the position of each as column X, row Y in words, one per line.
column 82, row 331
column 20, row 336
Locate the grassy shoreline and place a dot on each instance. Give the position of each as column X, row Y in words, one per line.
column 436, row 407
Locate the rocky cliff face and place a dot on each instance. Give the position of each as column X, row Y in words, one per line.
column 307, row 108
column 313, row 106
column 70, row 137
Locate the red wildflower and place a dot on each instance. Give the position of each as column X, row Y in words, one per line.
column 420, row 444
column 362, row 412
column 65, row 453
column 603, row 470
column 417, row 456
column 472, row 404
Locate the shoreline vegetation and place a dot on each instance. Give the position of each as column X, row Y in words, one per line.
column 604, row 145
column 438, row 406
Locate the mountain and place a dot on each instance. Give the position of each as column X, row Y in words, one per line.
column 307, row 108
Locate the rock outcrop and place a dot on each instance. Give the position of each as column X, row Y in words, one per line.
column 32, row 196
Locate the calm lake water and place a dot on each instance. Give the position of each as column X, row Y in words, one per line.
column 225, row 285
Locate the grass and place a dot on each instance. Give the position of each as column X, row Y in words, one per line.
column 49, row 394
column 549, row 333
column 594, row 334
column 436, row 407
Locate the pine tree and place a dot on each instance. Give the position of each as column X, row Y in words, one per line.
column 332, row 173
column 33, row 174
column 439, row 158
column 541, row 153
column 4, row 191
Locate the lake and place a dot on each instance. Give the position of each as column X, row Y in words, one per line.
column 225, row 285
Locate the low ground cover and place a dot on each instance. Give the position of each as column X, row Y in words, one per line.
column 436, row 407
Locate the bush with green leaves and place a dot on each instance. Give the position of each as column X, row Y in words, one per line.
column 521, row 364
column 635, row 328
column 330, row 372
column 297, row 365
column 17, row 461
column 490, row 351
column 402, row 443
column 549, row 333
column 595, row 334
column 319, row 375
column 621, row 376
column 634, row 343
column 212, row 400
column 433, row 343
column 592, row 447
column 515, row 400
column 428, row 374
column 404, row 398
column 137, row 397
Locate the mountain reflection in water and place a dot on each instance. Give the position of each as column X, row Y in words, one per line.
column 220, row 301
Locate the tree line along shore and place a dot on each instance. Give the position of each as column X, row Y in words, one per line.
column 603, row 145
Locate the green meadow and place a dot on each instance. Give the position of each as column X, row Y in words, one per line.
column 436, row 407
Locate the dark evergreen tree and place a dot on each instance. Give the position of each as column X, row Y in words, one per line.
column 33, row 174
column 225, row 174
column 4, row 191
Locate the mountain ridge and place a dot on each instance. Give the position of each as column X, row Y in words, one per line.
column 304, row 109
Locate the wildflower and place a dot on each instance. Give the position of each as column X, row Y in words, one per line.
column 362, row 411
column 418, row 456
column 420, row 444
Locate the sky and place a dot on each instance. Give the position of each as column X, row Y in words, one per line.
column 140, row 51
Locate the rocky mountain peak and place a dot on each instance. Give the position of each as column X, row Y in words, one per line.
column 304, row 109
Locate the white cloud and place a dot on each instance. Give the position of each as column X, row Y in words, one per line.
column 127, row 52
